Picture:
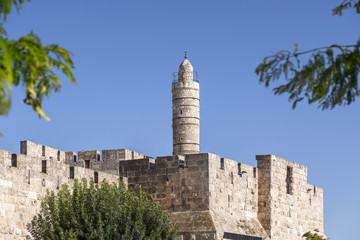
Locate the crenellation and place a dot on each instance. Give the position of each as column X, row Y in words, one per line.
column 31, row 149
column 91, row 155
column 37, row 150
column 22, row 187
column 53, row 154
column 70, row 158
column 5, row 158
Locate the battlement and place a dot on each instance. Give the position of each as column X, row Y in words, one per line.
column 37, row 150
column 51, row 171
column 108, row 161
column 25, row 179
column 203, row 191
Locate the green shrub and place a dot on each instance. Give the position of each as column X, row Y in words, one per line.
column 104, row 211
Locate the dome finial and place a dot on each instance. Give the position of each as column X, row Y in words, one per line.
column 185, row 55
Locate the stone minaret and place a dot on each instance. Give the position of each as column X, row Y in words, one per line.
column 186, row 111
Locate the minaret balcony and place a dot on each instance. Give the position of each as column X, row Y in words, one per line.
column 176, row 78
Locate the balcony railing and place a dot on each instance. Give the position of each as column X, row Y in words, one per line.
column 175, row 77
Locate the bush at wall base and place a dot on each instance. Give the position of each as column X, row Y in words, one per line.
column 314, row 236
column 104, row 211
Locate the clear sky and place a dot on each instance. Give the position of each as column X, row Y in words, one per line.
column 126, row 51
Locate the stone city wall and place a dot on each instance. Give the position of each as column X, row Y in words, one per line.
column 288, row 205
column 107, row 162
column 207, row 196
column 25, row 179
column 180, row 184
column 233, row 198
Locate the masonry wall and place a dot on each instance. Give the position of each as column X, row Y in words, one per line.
column 205, row 199
column 207, row 196
column 23, row 184
column 107, row 162
column 233, row 198
column 288, row 205
column 180, row 184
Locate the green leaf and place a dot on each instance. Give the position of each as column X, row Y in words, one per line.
column 28, row 62
column 6, row 5
column 327, row 78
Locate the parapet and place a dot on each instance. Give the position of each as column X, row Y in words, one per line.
column 286, row 199
column 37, row 150
column 25, row 179
column 121, row 154
column 92, row 156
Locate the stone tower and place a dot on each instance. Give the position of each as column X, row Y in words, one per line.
column 186, row 111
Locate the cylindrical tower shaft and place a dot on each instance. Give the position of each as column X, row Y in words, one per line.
column 186, row 111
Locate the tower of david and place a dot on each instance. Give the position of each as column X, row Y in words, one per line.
column 208, row 196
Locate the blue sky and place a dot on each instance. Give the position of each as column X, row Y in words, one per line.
column 126, row 51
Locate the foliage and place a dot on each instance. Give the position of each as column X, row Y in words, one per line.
column 27, row 62
column 345, row 5
column 330, row 77
column 314, row 236
column 104, row 211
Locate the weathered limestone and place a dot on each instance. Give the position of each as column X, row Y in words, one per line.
column 288, row 205
column 216, row 197
column 186, row 111
column 25, row 179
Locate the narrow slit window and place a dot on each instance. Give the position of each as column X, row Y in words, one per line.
column 72, row 173
column 181, row 163
column 58, row 183
column 98, row 157
column 43, row 166
column 232, row 177
column 152, row 166
column 254, row 172
column 96, row 177
column 222, row 164
column 58, row 155
column 121, row 169
column 239, row 169
column 43, row 151
column 13, row 160
column 87, row 163
column 74, row 158
column 289, row 180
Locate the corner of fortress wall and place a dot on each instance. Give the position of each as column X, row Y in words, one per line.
column 288, row 205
